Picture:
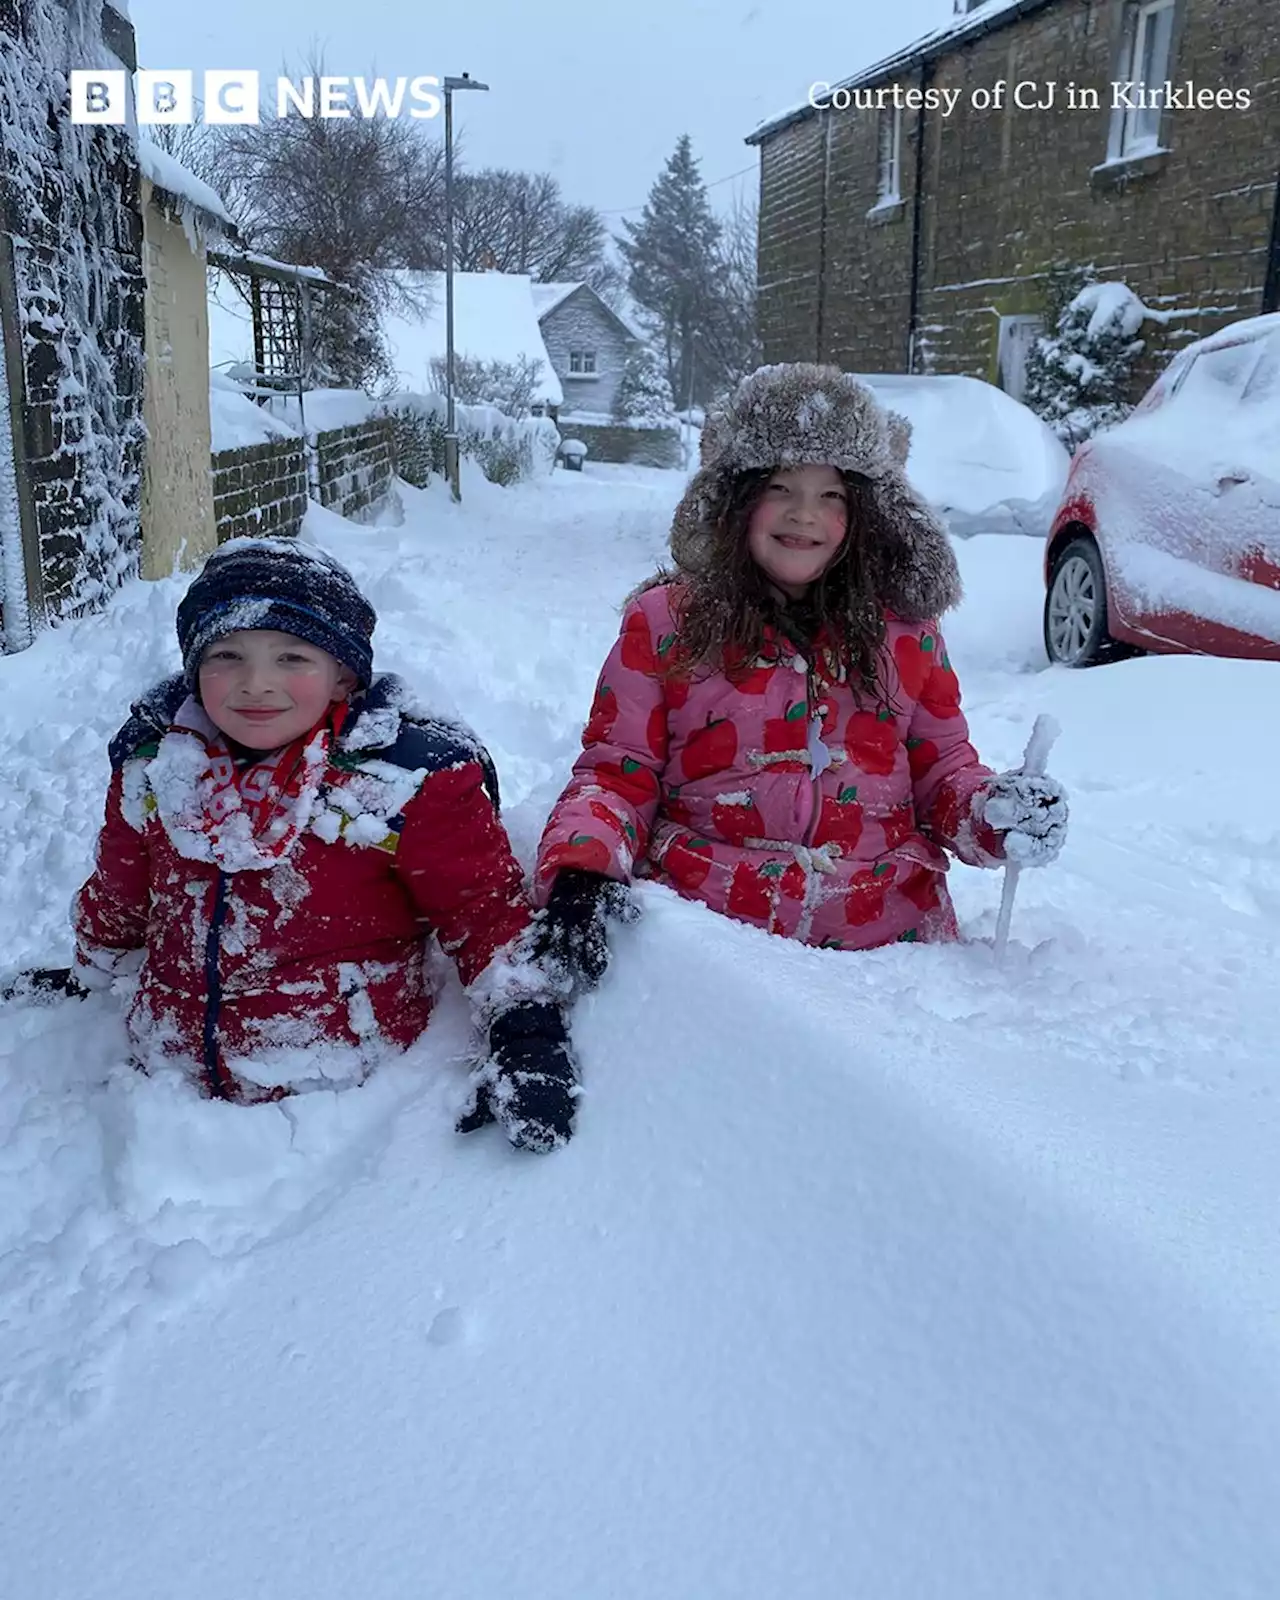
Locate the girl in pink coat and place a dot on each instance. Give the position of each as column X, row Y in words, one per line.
column 777, row 731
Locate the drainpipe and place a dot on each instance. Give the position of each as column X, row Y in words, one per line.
column 917, row 207
column 1271, row 288
column 21, row 574
column 819, row 332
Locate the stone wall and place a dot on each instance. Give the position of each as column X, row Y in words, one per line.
column 260, row 490
column 645, row 447
column 71, row 315
column 580, row 323
column 355, row 466
column 1007, row 194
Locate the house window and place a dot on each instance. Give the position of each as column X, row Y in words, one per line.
column 582, row 363
column 1143, row 73
column 889, row 157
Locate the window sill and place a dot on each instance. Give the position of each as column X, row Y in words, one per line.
column 583, row 377
column 886, row 211
column 1119, row 171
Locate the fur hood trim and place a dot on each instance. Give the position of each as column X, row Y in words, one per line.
column 801, row 414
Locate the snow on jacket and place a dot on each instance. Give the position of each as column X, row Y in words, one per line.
column 778, row 796
column 326, row 946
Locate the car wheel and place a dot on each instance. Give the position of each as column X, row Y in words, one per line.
column 1075, row 608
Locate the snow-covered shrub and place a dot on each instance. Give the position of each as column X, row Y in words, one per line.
column 644, row 396
column 512, row 386
column 1078, row 377
column 417, row 438
column 508, row 449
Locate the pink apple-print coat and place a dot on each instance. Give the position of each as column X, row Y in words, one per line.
column 775, row 793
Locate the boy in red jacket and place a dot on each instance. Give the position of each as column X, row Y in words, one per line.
column 282, row 833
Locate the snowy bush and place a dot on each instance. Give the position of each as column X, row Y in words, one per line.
column 1078, row 377
column 512, row 386
column 508, row 449
column 644, row 396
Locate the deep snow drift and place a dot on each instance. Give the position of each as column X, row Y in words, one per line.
column 900, row 1274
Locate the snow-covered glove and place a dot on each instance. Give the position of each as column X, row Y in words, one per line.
column 528, row 1084
column 45, row 981
column 571, row 936
column 1029, row 813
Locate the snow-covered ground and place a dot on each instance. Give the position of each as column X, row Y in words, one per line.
column 899, row 1275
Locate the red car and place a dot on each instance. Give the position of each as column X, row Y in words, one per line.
column 1168, row 535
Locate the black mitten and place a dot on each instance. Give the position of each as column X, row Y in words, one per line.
column 572, row 935
column 528, row 1083
column 45, row 981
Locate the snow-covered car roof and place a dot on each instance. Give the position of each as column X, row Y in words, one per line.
column 983, row 458
column 1197, row 414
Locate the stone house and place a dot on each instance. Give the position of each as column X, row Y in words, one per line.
column 71, row 321
column 587, row 344
column 911, row 215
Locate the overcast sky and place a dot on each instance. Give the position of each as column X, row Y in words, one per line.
column 598, row 98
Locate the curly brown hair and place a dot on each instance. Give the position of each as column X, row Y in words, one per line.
column 726, row 607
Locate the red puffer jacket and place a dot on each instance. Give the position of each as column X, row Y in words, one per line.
column 325, row 946
column 778, row 794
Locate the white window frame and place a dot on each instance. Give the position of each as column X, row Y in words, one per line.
column 1136, row 132
column 889, row 172
column 582, row 364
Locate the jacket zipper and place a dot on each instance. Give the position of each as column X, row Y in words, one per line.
column 214, row 1072
column 815, row 736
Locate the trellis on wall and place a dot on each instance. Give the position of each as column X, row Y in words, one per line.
column 282, row 299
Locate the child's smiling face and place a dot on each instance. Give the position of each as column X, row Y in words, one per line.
column 798, row 526
column 264, row 689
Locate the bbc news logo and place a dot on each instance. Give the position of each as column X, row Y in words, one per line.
column 237, row 97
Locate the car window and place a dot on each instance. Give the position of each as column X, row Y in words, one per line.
column 1218, row 377
column 1263, row 384
column 1174, row 375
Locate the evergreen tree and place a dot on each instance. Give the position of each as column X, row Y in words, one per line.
column 644, row 394
column 676, row 274
column 1078, row 378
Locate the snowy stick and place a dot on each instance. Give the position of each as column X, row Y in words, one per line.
column 1035, row 756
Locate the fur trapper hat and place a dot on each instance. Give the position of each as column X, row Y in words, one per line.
column 802, row 414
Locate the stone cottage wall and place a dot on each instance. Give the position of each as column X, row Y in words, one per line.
column 260, row 490
column 579, row 323
column 1007, row 194
column 355, row 466
column 72, row 310
column 645, row 447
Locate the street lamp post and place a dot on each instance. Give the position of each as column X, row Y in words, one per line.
column 466, row 81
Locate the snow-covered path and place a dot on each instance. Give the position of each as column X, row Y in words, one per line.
column 901, row 1275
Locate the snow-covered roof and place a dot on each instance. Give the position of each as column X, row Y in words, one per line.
column 168, row 173
column 985, row 18
column 547, row 296
column 494, row 319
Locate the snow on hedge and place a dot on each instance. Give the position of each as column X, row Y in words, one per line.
column 508, row 449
